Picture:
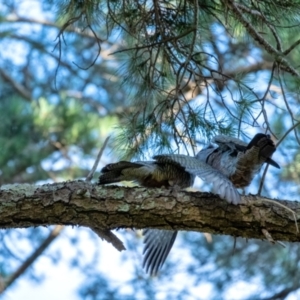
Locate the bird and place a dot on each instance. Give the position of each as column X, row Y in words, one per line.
column 227, row 162
column 170, row 171
column 232, row 157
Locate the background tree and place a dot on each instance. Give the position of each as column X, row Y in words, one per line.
column 163, row 76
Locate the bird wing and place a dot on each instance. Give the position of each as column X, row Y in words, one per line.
column 205, row 153
column 221, row 184
column 224, row 139
column 158, row 244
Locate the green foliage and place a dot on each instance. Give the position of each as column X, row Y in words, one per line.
column 33, row 132
column 136, row 137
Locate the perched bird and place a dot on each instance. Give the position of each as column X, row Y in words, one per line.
column 227, row 164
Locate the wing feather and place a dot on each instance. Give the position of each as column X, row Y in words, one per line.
column 158, row 244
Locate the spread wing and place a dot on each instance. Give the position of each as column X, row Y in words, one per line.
column 221, row 184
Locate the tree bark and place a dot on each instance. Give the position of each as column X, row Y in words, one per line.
column 110, row 207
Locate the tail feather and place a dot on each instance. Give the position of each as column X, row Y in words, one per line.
column 112, row 173
column 121, row 165
column 110, row 177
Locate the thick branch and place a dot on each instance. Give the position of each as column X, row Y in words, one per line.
column 84, row 204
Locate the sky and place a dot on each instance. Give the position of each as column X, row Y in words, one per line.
column 62, row 281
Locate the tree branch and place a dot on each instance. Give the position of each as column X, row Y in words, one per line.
column 32, row 258
column 278, row 55
column 84, row 204
column 17, row 86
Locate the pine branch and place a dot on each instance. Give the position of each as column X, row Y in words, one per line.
column 84, row 204
column 278, row 55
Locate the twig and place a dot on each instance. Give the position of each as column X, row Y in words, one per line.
column 104, row 234
column 288, row 50
column 258, row 14
column 110, row 237
column 268, row 236
column 17, row 86
column 98, row 40
column 58, row 44
column 89, row 177
column 278, row 143
column 287, row 132
column 262, row 179
column 234, row 246
column 287, row 105
column 31, row 259
column 278, row 55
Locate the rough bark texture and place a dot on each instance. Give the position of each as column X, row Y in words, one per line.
column 108, row 207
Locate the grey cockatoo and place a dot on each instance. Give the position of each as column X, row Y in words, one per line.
column 227, row 163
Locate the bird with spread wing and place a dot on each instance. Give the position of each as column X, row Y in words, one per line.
column 228, row 163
